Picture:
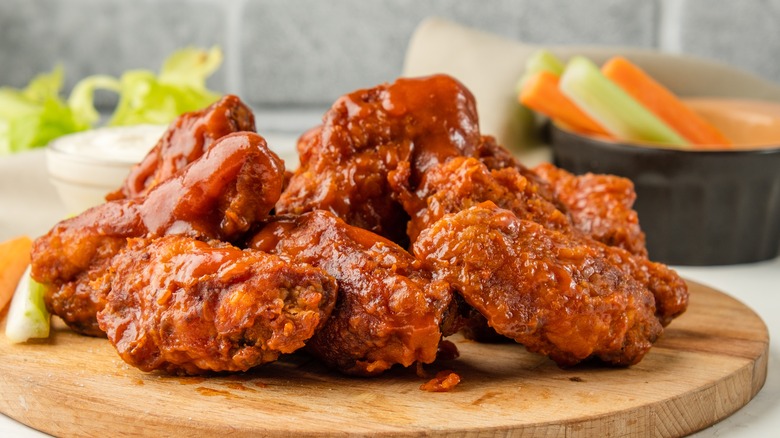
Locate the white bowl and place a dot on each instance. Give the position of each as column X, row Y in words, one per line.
column 84, row 167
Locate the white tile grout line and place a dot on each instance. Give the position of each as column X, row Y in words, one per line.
column 233, row 58
column 669, row 30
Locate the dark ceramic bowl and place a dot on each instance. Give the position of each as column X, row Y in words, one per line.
column 696, row 207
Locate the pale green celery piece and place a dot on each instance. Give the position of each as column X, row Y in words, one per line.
column 82, row 97
column 33, row 116
column 145, row 97
column 5, row 141
column 16, row 111
column 540, row 60
column 190, row 67
column 141, row 100
column 619, row 113
column 27, row 315
column 179, row 88
column 44, row 85
column 544, row 60
column 14, row 102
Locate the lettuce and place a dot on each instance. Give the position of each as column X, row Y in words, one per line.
column 180, row 88
column 35, row 115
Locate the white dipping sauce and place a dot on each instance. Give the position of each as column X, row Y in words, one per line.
column 86, row 166
column 126, row 144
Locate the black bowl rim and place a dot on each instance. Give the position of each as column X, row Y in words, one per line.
column 659, row 149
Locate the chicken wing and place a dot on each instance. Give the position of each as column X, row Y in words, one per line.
column 600, row 206
column 552, row 292
column 463, row 182
column 367, row 135
column 388, row 311
column 219, row 196
column 187, row 138
column 186, row 307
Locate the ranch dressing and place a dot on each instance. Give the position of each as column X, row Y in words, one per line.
column 127, row 144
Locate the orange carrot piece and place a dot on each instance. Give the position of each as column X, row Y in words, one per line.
column 663, row 103
column 14, row 258
column 541, row 93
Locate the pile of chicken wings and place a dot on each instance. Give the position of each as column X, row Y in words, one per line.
column 401, row 226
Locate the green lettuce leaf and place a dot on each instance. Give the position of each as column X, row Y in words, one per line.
column 179, row 88
column 82, row 97
column 35, row 115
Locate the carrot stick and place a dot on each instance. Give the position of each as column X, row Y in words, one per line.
column 14, row 258
column 540, row 92
column 663, row 103
column 605, row 102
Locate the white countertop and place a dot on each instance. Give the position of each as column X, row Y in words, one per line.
column 29, row 205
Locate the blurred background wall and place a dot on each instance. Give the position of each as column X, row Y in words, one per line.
column 302, row 54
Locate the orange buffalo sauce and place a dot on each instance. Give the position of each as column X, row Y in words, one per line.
column 748, row 123
column 443, row 382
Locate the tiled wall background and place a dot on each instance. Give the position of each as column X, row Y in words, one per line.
column 305, row 53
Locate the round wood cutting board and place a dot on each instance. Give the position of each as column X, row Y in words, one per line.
column 710, row 362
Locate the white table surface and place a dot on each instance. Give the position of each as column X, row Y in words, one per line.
column 29, row 205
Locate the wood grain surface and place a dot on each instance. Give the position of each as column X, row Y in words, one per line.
column 709, row 363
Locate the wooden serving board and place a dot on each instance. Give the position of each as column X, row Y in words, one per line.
column 710, row 362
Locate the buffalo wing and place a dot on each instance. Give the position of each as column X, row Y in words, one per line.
column 185, row 306
column 554, row 293
column 219, row 196
column 389, row 310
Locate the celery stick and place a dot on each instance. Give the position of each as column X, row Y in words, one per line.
column 544, row 60
column 618, row 112
column 27, row 316
column 541, row 60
